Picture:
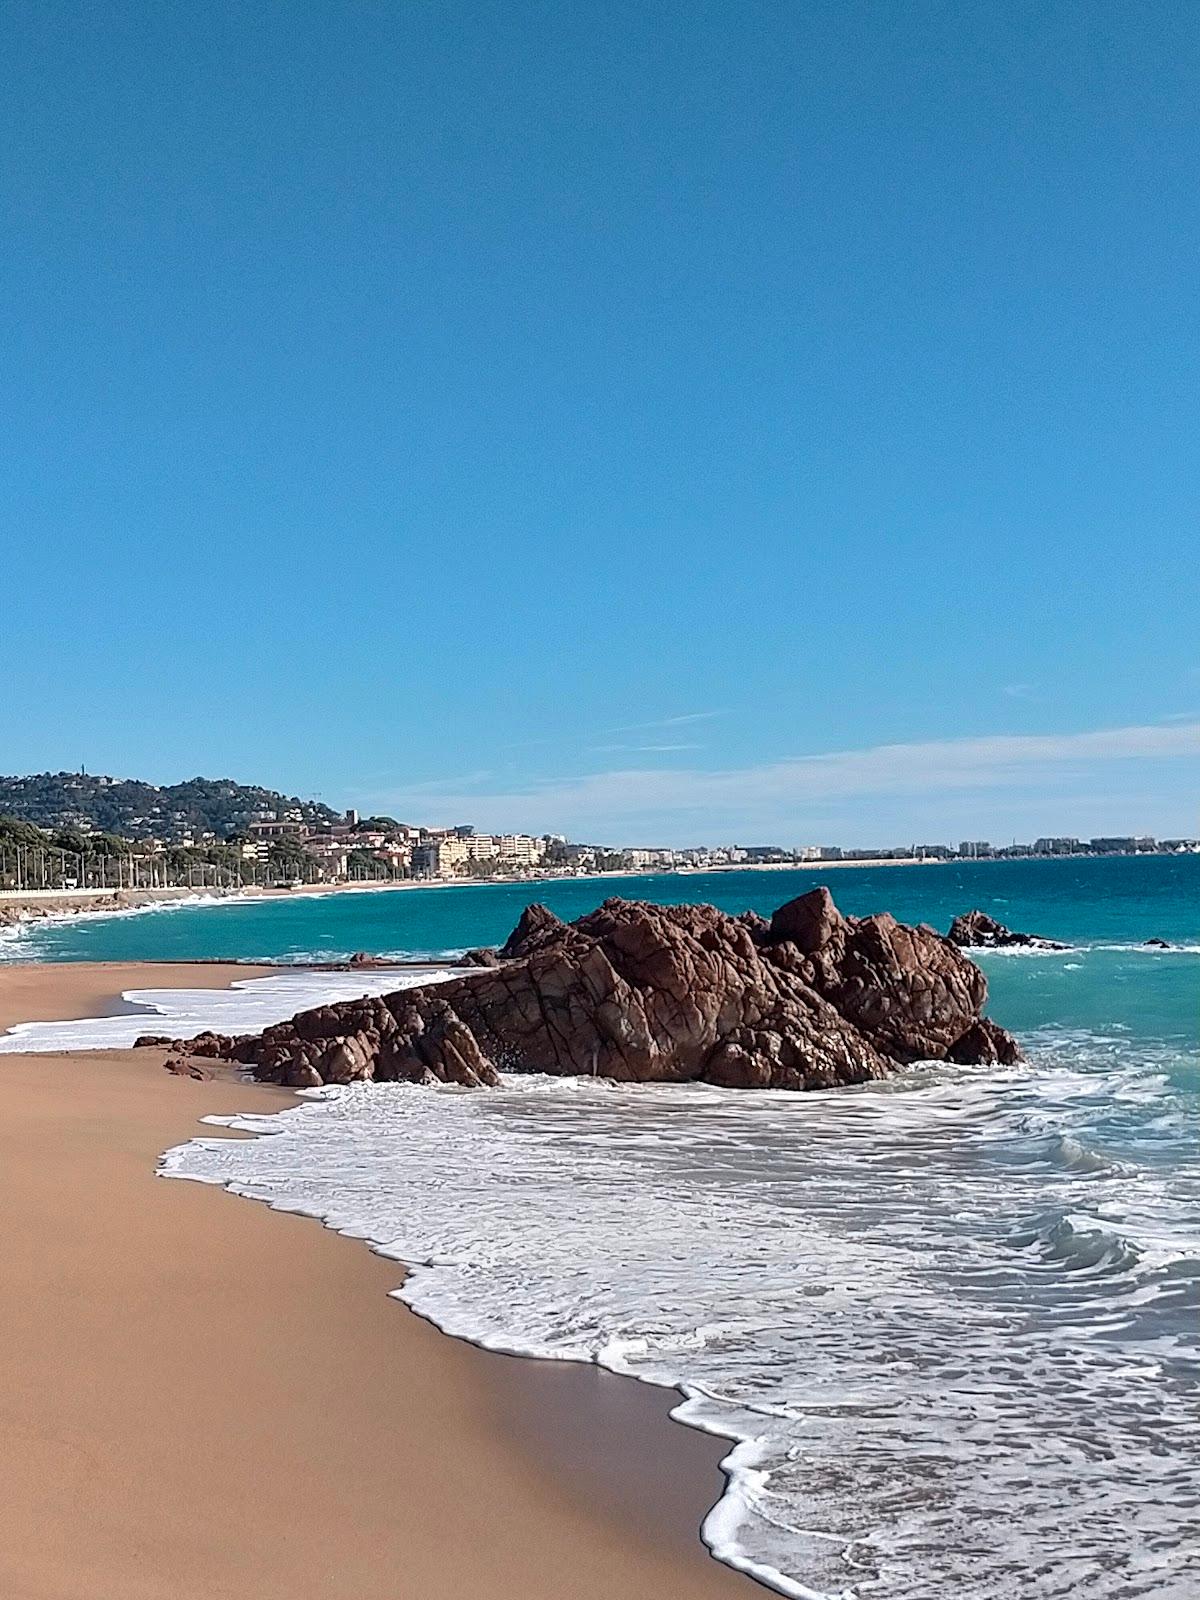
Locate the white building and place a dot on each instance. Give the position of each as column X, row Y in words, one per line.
column 452, row 851
column 519, row 847
column 642, row 860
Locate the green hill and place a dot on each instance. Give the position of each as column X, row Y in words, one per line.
column 137, row 810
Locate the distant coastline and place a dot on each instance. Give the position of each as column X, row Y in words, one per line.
column 19, row 907
column 79, row 833
column 23, row 907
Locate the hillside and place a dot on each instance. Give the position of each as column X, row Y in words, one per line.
column 139, row 810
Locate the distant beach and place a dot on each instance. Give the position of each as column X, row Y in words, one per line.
column 22, row 906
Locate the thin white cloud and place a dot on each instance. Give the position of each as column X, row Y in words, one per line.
column 683, row 721
column 641, row 749
column 790, row 790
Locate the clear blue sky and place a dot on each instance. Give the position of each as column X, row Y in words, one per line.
column 582, row 416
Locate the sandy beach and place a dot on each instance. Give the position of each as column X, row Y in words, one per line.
column 205, row 1399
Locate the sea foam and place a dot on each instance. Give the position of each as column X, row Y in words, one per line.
column 930, row 1327
column 248, row 1005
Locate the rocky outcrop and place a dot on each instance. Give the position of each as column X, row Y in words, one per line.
column 976, row 930
column 537, row 927
column 645, row 993
column 484, row 956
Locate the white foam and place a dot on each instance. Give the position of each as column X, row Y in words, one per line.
column 14, row 935
column 251, row 1004
column 1029, row 952
column 928, row 1318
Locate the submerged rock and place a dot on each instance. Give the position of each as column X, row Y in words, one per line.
column 645, row 993
column 976, row 930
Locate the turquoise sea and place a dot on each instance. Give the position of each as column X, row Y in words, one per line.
column 1105, row 907
column 951, row 1322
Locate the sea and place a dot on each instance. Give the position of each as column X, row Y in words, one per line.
column 949, row 1323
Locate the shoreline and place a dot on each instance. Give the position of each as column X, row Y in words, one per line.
column 196, row 1345
column 23, row 909
column 20, row 909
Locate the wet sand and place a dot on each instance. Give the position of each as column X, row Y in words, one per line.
column 204, row 1399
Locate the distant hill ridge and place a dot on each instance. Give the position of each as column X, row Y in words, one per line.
column 137, row 810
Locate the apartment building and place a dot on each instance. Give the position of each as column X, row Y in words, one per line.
column 438, row 857
column 520, row 848
column 644, row 860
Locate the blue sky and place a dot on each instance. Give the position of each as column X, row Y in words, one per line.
column 645, row 421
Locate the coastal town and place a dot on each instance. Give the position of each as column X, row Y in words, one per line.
column 380, row 847
column 74, row 831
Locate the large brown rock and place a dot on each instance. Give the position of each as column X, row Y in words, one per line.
column 646, row 993
column 809, row 922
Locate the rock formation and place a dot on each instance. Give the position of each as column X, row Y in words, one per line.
column 646, row 993
column 536, row 928
column 976, row 930
column 484, row 956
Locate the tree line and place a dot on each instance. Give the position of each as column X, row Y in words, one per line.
column 34, row 858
